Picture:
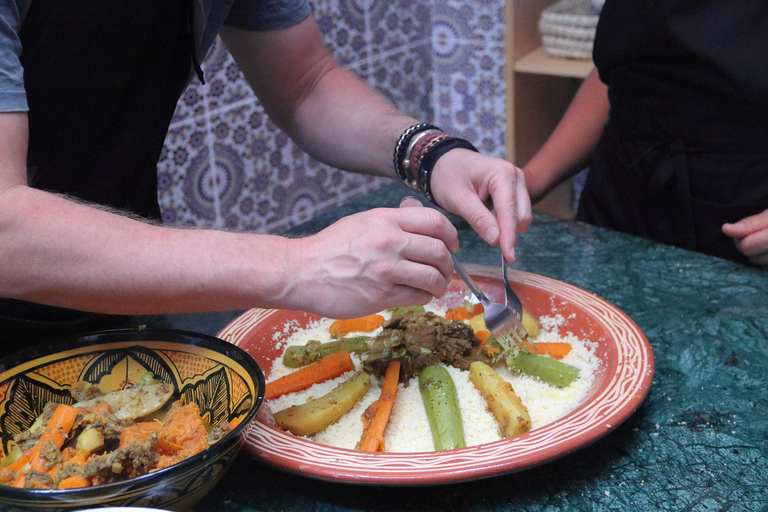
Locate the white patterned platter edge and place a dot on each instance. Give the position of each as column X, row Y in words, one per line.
column 626, row 387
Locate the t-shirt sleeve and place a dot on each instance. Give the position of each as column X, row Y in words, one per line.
column 266, row 14
column 13, row 98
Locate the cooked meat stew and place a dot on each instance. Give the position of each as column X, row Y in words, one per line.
column 107, row 437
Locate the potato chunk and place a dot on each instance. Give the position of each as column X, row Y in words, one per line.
column 510, row 413
column 316, row 415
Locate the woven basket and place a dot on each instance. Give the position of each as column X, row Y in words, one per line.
column 567, row 28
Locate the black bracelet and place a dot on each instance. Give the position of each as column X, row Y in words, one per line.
column 402, row 145
column 430, row 159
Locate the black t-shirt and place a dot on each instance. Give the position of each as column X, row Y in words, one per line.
column 694, row 70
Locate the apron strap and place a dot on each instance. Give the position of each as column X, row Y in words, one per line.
column 675, row 167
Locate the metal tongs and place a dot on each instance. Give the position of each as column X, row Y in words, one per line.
column 503, row 320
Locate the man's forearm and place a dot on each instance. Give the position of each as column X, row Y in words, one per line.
column 58, row 252
column 360, row 128
column 326, row 110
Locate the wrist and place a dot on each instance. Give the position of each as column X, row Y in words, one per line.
column 291, row 268
column 417, row 152
column 532, row 182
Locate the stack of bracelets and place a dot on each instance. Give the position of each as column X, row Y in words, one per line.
column 417, row 151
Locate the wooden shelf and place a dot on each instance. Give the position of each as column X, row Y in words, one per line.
column 539, row 89
column 539, row 62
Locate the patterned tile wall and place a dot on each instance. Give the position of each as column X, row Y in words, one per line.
column 226, row 165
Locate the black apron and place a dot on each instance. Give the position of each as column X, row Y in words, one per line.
column 686, row 147
column 102, row 79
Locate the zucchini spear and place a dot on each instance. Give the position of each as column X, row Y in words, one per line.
column 442, row 404
column 544, row 368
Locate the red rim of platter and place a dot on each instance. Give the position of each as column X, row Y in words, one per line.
column 621, row 383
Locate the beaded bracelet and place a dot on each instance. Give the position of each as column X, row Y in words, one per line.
column 430, row 158
column 417, row 154
column 410, row 164
column 424, row 151
column 402, row 146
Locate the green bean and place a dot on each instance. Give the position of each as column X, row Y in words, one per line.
column 442, row 404
column 297, row 355
column 544, row 368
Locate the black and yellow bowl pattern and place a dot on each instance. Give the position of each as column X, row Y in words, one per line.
column 222, row 379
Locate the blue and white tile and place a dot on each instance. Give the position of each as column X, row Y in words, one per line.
column 185, row 144
column 484, row 19
column 225, row 164
column 343, row 29
column 405, row 78
column 470, row 98
column 398, row 24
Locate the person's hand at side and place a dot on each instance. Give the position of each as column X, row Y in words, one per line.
column 371, row 261
column 487, row 192
column 751, row 237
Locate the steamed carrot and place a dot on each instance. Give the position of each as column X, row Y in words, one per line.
column 73, row 482
column 55, row 431
column 100, row 407
column 18, row 464
column 9, row 474
column 181, row 435
column 488, row 343
column 483, row 336
column 555, row 350
column 462, row 313
column 368, row 323
column 372, row 439
column 329, row 367
column 138, row 432
column 77, row 459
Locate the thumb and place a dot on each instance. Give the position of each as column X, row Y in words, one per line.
column 746, row 226
column 410, row 201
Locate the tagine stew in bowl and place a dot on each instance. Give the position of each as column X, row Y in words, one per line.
column 124, row 417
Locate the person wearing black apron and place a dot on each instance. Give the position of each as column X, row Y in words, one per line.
column 119, row 68
column 685, row 149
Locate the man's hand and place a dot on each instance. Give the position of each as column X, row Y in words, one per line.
column 372, row 261
column 488, row 192
column 751, row 237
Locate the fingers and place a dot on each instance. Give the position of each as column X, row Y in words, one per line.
column 466, row 183
column 410, row 202
column 754, row 247
column 427, row 250
column 417, row 220
column 524, row 209
column 402, row 294
column 750, row 235
column 424, row 276
column 747, row 225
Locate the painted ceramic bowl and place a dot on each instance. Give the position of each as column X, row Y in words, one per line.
column 621, row 384
column 222, row 379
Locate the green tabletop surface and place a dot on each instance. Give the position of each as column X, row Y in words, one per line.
column 698, row 442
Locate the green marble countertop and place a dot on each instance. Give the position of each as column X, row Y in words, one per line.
column 698, row 442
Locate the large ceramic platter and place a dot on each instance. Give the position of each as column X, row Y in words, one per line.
column 622, row 381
